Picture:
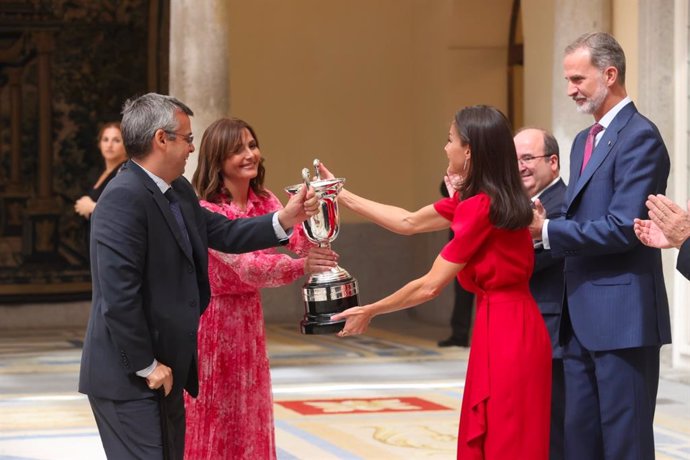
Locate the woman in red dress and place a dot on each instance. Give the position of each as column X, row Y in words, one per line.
column 506, row 401
column 232, row 418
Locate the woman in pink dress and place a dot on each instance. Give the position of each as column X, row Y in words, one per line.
column 507, row 396
column 232, row 418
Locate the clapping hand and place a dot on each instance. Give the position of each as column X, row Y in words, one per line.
column 650, row 234
column 669, row 219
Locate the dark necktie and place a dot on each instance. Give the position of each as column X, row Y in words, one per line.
column 177, row 212
column 589, row 144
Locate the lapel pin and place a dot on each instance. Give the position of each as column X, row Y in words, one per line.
column 609, row 144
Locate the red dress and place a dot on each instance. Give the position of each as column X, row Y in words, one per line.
column 232, row 418
column 506, row 403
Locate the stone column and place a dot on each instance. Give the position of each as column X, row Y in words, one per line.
column 656, row 65
column 199, row 67
column 572, row 19
column 657, row 97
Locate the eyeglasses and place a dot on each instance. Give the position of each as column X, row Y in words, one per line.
column 188, row 138
column 528, row 159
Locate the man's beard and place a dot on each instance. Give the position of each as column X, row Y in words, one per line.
column 593, row 104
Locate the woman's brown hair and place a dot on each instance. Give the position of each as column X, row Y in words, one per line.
column 220, row 140
column 104, row 126
column 493, row 166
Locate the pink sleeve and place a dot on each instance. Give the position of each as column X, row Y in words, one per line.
column 471, row 227
column 261, row 269
column 265, row 268
column 298, row 243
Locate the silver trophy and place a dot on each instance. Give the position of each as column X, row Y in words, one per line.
column 335, row 290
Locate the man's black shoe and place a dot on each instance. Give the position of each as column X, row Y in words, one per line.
column 453, row 342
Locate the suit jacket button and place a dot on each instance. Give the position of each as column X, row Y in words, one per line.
column 192, row 304
column 190, row 269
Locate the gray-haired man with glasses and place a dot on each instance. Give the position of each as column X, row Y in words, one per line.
column 149, row 260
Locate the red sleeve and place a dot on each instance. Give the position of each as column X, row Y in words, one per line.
column 446, row 206
column 471, row 227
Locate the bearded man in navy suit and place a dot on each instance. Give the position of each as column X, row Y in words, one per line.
column 539, row 164
column 615, row 314
column 149, row 262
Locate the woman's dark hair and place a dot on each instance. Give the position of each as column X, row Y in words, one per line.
column 220, row 140
column 493, row 166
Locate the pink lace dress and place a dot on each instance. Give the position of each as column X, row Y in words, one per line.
column 232, row 418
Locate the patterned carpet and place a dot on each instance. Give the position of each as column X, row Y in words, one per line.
column 388, row 395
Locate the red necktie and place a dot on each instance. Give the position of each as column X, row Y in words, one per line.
column 589, row 143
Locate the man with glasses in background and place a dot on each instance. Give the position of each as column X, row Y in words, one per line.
column 539, row 164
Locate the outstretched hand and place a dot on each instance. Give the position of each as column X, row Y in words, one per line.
column 538, row 218
column 300, row 207
column 357, row 320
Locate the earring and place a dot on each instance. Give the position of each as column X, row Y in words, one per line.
column 464, row 167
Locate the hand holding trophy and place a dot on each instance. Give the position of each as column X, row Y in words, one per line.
column 333, row 291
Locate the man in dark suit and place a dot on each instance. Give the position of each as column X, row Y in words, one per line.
column 668, row 226
column 539, row 163
column 615, row 314
column 149, row 250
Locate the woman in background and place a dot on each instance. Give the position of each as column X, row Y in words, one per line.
column 507, row 395
column 232, row 418
column 113, row 152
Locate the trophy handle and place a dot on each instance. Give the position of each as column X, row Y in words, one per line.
column 316, row 164
column 305, row 176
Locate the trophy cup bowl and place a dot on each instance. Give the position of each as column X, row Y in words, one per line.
column 335, row 290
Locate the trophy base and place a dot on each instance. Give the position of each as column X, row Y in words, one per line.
column 317, row 328
column 323, row 300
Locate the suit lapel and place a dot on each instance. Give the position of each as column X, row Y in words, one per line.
column 549, row 195
column 164, row 206
column 601, row 151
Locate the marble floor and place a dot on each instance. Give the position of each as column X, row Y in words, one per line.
column 389, row 395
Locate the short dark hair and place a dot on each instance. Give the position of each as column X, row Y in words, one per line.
column 493, row 165
column 143, row 116
column 220, row 140
column 604, row 50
